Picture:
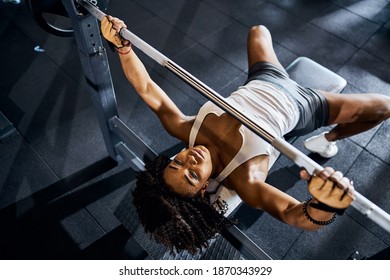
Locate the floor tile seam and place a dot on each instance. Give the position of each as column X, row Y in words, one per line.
column 374, row 53
column 341, row 38
column 155, row 15
column 234, row 19
column 65, row 74
column 370, row 20
column 368, row 229
column 308, row 22
column 290, row 171
column 224, row 59
column 71, row 191
column 364, row 148
column 177, row 30
column 36, row 152
column 299, row 55
column 351, row 166
column 139, row 4
column 217, row 54
column 369, row 38
column 346, row 172
column 58, row 66
column 101, row 227
column 292, row 245
column 60, row 180
column 43, row 160
column 196, row 42
column 68, row 76
column 351, row 57
column 280, row 42
column 345, row 63
column 241, row 71
column 48, row 56
column 185, row 34
column 358, row 143
column 376, row 157
column 139, row 101
column 67, row 191
column 383, row 25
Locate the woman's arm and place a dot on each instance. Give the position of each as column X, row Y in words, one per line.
column 173, row 120
column 260, row 195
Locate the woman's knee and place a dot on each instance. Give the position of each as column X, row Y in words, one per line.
column 378, row 105
column 260, row 34
column 260, row 46
column 258, row 29
column 385, row 110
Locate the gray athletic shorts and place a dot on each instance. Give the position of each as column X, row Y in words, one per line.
column 313, row 107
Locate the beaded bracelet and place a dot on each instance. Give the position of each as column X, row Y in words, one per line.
column 320, row 223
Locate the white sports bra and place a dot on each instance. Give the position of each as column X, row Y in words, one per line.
column 273, row 110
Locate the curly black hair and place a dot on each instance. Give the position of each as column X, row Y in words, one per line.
column 176, row 222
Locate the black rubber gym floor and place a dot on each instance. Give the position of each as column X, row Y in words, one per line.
column 62, row 197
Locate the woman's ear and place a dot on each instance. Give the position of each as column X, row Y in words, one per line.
column 204, row 188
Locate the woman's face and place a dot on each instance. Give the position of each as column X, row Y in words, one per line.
column 188, row 173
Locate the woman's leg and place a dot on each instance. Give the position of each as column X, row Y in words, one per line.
column 355, row 113
column 260, row 46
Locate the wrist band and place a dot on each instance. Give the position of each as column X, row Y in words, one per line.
column 320, row 223
column 321, row 206
column 123, row 53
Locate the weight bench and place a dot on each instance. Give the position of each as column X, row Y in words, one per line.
column 307, row 73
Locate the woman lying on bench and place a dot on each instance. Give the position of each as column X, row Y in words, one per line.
column 170, row 196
